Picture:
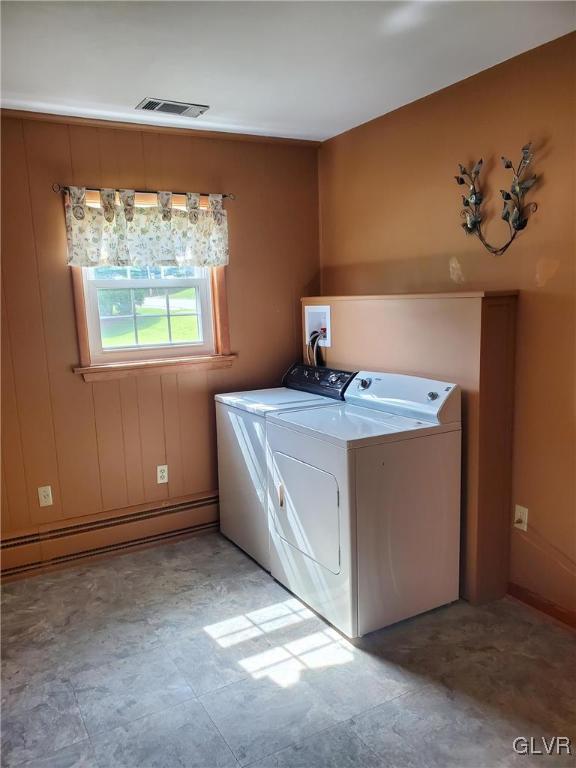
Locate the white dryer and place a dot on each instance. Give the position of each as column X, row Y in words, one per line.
column 241, row 429
column 364, row 501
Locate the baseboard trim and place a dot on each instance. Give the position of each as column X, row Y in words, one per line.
column 44, row 550
column 565, row 615
column 107, row 522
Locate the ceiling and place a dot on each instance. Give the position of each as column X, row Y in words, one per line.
column 305, row 70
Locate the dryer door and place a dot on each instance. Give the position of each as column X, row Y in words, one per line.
column 306, row 509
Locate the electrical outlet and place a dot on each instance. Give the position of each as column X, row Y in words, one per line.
column 521, row 517
column 162, row 473
column 45, row 496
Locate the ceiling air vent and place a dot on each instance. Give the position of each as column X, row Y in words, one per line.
column 172, row 107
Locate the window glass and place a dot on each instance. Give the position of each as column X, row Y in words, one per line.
column 185, row 328
column 182, row 300
column 117, row 332
column 134, row 308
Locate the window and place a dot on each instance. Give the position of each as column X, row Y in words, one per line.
column 166, row 307
column 137, row 313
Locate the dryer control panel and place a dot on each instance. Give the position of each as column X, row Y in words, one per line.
column 404, row 395
column 329, row 382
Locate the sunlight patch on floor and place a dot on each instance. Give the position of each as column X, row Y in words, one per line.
column 256, row 623
column 283, row 664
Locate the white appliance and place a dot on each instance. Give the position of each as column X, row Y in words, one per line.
column 364, row 501
column 241, row 428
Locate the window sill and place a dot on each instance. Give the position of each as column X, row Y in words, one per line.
column 108, row 371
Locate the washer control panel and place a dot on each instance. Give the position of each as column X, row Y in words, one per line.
column 329, row 382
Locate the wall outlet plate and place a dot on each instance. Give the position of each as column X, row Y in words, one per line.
column 521, row 517
column 162, row 473
column 317, row 318
column 45, row 496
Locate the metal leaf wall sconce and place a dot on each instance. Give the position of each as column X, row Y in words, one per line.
column 515, row 211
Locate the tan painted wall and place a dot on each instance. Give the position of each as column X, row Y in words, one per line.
column 98, row 444
column 389, row 222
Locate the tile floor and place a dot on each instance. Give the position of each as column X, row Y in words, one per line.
column 190, row 655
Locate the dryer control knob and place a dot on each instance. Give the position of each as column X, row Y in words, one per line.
column 364, row 383
column 432, row 395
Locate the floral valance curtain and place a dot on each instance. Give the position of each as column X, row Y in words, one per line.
column 121, row 233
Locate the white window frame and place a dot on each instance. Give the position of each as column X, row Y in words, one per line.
column 100, row 355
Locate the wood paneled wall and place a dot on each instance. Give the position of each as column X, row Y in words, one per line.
column 98, row 444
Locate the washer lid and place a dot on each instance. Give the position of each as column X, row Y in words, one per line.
column 277, row 399
column 350, row 426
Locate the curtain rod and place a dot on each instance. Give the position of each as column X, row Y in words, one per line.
column 63, row 187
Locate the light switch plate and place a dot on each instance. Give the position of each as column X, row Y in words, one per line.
column 45, row 496
column 162, row 474
column 521, row 517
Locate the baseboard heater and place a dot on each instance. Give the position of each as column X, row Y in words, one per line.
column 109, row 523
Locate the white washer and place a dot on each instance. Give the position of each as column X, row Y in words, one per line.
column 364, row 501
column 241, row 429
